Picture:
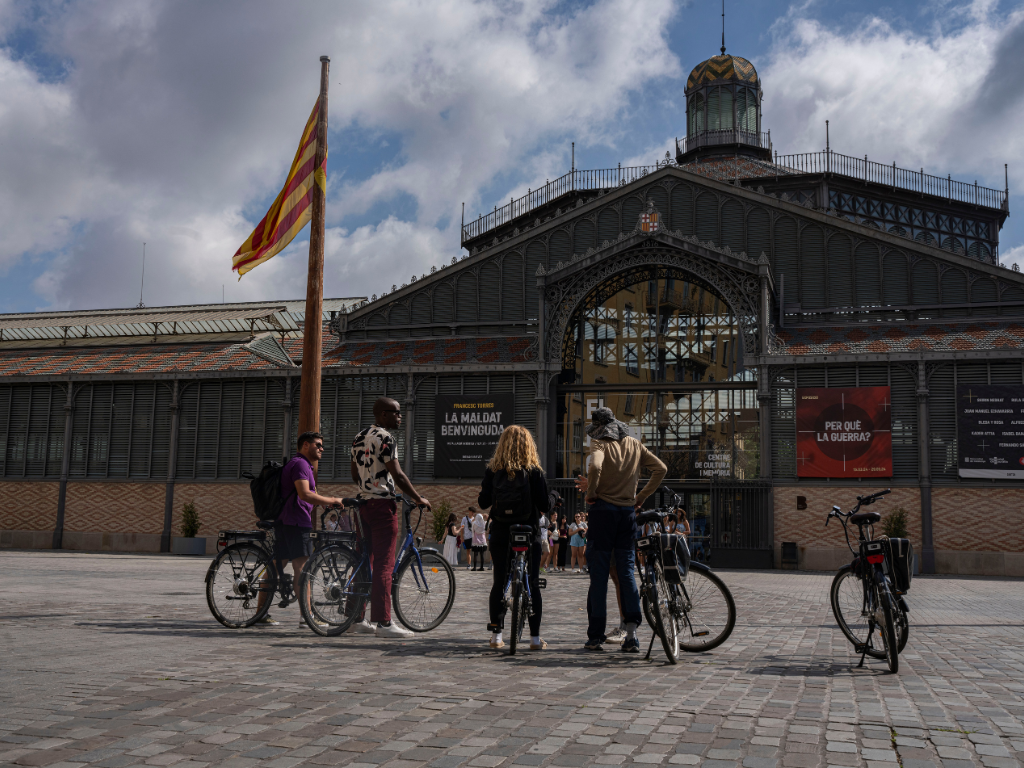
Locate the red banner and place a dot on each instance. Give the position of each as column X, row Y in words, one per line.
column 844, row 432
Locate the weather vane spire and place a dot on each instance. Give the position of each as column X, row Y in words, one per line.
column 723, row 27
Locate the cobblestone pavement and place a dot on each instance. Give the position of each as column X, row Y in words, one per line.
column 114, row 660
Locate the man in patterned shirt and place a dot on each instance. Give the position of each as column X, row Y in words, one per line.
column 376, row 472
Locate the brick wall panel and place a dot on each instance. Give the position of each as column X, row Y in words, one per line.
column 807, row 526
column 115, row 507
column 978, row 519
column 28, row 506
column 220, row 507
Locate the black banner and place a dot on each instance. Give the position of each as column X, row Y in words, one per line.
column 466, row 430
column 990, row 431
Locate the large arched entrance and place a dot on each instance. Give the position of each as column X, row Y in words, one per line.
column 665, row 352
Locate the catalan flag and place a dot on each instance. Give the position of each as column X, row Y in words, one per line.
column 292, row 208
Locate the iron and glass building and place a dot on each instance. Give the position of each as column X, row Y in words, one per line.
column 694, row 297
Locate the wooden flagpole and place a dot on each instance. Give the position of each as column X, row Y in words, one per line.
column 312, row 342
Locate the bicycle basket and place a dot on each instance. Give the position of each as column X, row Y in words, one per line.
column 675, row 557
column 899, row 563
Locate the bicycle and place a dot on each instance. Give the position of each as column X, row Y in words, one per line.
column 334, row 586
column 518, row 593
column 871, row 611
column 696, row 614
column 243, row 578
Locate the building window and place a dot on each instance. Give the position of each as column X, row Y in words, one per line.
column 629, row 357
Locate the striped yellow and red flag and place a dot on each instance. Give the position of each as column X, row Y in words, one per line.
column 292, row 208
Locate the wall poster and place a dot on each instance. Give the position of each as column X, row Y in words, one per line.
column 844, row 432
column 990, row 431
column 466, row 430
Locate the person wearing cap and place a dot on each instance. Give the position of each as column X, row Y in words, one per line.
column 616, row 460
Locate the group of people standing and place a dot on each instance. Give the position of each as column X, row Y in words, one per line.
column 601, row 541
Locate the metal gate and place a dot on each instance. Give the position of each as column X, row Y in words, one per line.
column 731, row 524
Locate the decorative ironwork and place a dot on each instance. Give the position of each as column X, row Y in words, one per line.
column 594, row 284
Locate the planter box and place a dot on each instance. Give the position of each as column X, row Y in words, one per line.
column 192, row 546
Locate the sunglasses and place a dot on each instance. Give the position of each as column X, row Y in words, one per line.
column 318, row 446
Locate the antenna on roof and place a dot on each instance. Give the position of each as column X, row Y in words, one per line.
column 140, row 305
column 723, row 27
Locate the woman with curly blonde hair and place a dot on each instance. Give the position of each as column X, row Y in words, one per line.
column 515, row 489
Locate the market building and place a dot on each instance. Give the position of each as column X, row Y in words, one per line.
column 786, row 331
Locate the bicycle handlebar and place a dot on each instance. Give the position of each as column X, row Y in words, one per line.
column 873, row 497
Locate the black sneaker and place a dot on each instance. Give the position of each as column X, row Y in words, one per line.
column 630, row 645
column 593, row 645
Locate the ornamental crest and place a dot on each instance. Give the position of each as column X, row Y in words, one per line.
column 651, row 220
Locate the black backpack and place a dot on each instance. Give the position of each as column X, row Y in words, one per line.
column 512, row 502
column 266, row 491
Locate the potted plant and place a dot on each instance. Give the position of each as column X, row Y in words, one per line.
column 439, row 520
column 894, row 525
column 188, row 543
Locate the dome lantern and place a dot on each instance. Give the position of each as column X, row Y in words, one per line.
column 723, row 110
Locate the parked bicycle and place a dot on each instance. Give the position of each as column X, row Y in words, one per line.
column 867, row 595
column 686, row 605
column 334, row 587
column 242, row 580
column 518, row 596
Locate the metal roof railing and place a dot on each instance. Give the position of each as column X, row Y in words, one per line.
column 574, row 181
column 863, row 169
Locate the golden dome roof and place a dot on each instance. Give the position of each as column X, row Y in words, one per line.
column 724, row 67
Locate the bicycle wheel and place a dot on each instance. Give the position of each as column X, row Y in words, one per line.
column 902, row 626
column 423, row 591
column 892, row 653
column 705, row 610
column 239, row 579
column 853, row 614
column 333, row 590
column 518, row 616
column 647, row 610
column 664, row 622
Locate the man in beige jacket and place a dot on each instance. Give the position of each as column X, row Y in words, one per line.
column 616, row 460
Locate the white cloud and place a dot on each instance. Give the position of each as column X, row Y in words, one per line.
column 947, row 98
column 177, row 120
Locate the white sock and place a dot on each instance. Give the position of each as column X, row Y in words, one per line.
column 496, row 637
column 534, row 639
column 631, row 631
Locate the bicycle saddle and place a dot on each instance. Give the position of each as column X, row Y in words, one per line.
column 265, row 525
column 865, row 518
column 651, row 516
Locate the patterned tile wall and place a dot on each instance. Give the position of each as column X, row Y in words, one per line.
column 978, row 519
column 115, row 507
column 807, row 526
column 28, row 506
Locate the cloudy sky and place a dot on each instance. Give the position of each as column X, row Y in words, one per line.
column 174, row 122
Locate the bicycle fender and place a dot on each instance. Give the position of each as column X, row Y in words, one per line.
column 695, row 566
column 429, row 549
column 210, row 571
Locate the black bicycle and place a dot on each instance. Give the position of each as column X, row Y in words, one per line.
column 518, row 594
column 685, row 604
column 243, row 578
column 866, row 600
column 334, row 586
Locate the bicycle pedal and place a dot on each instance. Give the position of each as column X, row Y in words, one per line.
column 701, row 634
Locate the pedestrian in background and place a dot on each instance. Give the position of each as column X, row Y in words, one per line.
column 577, row 540
column 451, row 540
column 553, row 537
column 467, row 534
column 479, row 542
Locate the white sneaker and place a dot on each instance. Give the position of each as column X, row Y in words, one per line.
column 364, row 627
column 392, row 630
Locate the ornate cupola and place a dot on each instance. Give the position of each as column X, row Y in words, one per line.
column 723, row 111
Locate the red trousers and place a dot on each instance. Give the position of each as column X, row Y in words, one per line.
column 380, row 525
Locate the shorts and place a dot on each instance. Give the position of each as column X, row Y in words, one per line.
column 577, row 541
column 291, row 542
column 468, row 544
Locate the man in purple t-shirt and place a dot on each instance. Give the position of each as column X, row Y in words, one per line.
column 298, row 489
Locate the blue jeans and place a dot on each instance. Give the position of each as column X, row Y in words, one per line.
column 611, row 533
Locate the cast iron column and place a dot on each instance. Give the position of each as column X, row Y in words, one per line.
column 172, row 470
column 924, row 459
column 65, row 465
